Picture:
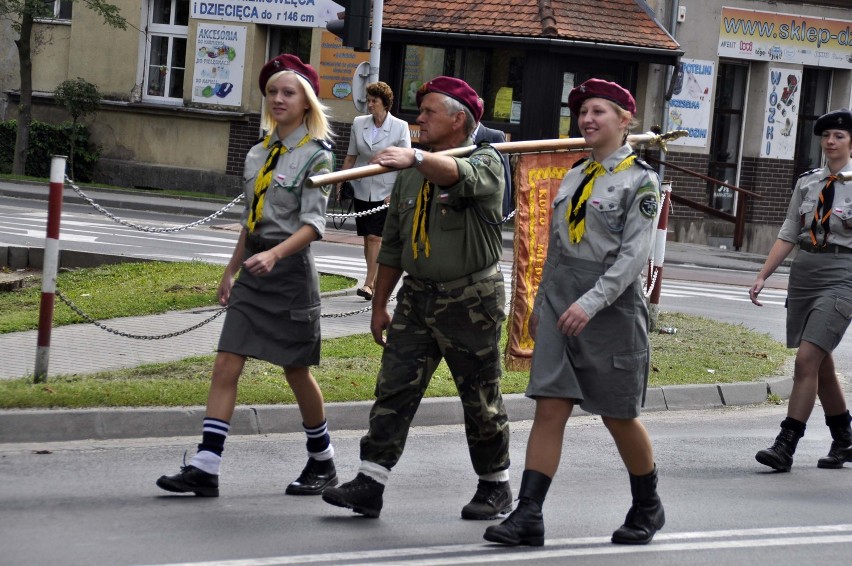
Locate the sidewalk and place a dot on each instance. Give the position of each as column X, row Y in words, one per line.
column 85, row 348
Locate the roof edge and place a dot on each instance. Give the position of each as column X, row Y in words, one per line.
column 673, row 54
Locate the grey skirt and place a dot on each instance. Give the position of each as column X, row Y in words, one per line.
column 276, row 317
column 819, row 299
column 604, row 369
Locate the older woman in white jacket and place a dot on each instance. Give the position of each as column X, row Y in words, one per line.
column 371, row 134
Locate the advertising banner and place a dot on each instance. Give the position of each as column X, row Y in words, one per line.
column 337, row 67
column 295, row 13
column 692, row 101
column 220, row 53
column 537, row 179
column 785, row 38
column 782, row 113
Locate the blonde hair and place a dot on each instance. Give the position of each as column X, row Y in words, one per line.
column 316, row 120
column 623, row 113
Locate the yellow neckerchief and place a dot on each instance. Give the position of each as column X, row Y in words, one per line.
column 421, row 215
column 575, row 215
column 264, row 178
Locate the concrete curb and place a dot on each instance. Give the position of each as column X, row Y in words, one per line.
column 48, row 425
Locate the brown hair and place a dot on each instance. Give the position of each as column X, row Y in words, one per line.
column 383, row 91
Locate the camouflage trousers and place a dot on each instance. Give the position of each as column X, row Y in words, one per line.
column 463, row 327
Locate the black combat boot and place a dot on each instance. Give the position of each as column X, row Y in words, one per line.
column 841, row 447
column 646, row 515
column 492, row 499
column 317, row 475
column 363, row 495
column 779, row 456
column 526, row 524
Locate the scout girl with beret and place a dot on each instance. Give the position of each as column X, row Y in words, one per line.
column 819, row 303
column 590, row 319
column 274, row 304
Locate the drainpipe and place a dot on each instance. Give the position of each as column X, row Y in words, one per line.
column 668, row 85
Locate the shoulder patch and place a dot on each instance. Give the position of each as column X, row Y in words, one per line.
column 481, row 158
column 811, row 172
column 324, row 143
column 648, row 187
column 321, row 166
column 648, row 205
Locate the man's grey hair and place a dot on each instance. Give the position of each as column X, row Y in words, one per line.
column 452, row 105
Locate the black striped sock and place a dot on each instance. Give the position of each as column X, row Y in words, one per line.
column 318, row 437
column 213, row 435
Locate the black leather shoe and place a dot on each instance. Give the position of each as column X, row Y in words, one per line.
column 317, row 475
column 492, row 499
column 363, row 495
column 191, row 479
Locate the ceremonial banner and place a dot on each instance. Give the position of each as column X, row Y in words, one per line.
column 537, row 179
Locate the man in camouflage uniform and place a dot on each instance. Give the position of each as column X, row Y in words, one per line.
column 443, row 232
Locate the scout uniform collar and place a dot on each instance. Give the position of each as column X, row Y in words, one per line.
column 612, row 160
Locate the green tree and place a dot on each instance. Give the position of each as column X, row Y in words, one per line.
column 80, row 98
column 22, row 14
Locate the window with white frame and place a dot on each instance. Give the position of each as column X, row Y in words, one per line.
column 166, row 54
column 57, row 9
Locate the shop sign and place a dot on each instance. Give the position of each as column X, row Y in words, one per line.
column 337, row 67
column 692, row 101
column 785, row 38
column 782, row 113
column 220, row 52
column 294, row 13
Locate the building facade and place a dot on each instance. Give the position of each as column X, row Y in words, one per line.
column 181, row 106
column 754, row 77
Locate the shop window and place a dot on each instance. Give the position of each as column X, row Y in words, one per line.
column 731, row 85
column 296, row 41
column 496, row 74
column 166, row 54
column 816, row 84
column 57, row 10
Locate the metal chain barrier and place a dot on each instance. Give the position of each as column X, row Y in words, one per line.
column 144, row 228
column 216, row 315
column 88, row 318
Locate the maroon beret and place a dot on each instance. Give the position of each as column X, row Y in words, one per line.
column 454, row 88
column 287, row 62
column 836, row 120
column 597, row 88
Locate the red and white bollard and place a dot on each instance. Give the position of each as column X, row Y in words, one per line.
column 658, row 255
column 50, row 267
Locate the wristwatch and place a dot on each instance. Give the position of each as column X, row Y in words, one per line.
column 418, row 158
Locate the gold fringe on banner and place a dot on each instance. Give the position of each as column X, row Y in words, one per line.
column 537, row 179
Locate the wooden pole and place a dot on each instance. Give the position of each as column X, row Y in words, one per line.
column 529, row 146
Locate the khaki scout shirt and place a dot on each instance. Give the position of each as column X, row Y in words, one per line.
column 800, row 213
column 288, row 203
column 620, row 224
column 462, row 242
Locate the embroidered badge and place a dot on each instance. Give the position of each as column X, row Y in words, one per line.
column 648, row 206
column 481, row 159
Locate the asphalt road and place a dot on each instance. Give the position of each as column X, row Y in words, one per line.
column 95, row 503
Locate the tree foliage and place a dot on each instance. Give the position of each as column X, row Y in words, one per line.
column 22, row 14
column 78, row 96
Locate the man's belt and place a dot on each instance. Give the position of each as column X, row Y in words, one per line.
column 477, row 276
column 827, row 249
